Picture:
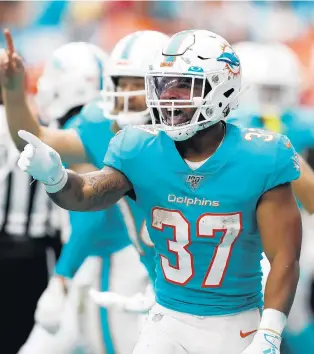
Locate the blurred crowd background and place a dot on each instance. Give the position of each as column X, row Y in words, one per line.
column 39, row 27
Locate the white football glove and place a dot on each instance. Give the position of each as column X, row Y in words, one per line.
column 267, row 339
column 50, row 306
column 42, row 162
column 139, row 303
column 264, row 342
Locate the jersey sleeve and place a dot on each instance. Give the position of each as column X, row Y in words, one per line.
column 84, row 132
column 114, row 155
column 286, row 166
column 125, row 151
column 85, row 231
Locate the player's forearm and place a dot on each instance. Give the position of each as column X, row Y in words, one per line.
column 90, row 191
column 282, row 282
column 19, row 116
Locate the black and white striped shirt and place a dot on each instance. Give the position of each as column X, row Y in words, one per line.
column 25, row 208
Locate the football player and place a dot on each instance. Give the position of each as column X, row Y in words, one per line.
column 65, row 87
column 224, row 195
column 123, row 101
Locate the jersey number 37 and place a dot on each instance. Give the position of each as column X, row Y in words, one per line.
column 207, row 226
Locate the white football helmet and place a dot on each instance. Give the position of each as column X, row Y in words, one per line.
column 193, row 84
column 72, row 77
column 272, row 75
column 130, row 58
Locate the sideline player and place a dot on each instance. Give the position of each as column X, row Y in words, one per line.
column 124, row 89
column 64, row 88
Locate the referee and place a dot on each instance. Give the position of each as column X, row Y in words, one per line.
column 29, row 240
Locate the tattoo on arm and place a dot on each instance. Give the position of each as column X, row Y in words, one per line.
column 92, row 191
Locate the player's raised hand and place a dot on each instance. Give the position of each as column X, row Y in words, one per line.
column 40, row 160
column 11, row 65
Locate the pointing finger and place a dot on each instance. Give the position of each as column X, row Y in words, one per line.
column 30, row 138
column 9, row 42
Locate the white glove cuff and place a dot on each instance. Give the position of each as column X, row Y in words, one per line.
column 273, row 320
column 54, row 188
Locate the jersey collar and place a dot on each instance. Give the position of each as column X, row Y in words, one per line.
column 213, row 164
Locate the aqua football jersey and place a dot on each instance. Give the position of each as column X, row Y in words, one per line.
column 95, row 132
column 297, row 124
column 91, row 235
column 203, row 222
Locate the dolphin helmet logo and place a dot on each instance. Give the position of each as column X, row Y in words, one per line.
column 232, row 61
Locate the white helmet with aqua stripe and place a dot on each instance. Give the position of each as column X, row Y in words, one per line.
column 273, row 74
column 193, row 84
column 124, row 91
column 72, row 77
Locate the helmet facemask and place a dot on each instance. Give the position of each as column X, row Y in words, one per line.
column 123, row 105
column 187, row 103
column 128, row 62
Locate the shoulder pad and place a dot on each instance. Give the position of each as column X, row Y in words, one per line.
column 132, row 139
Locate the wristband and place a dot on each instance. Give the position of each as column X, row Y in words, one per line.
column 54, row 188
column 273, row 320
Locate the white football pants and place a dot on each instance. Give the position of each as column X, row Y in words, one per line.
column 170, row 332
